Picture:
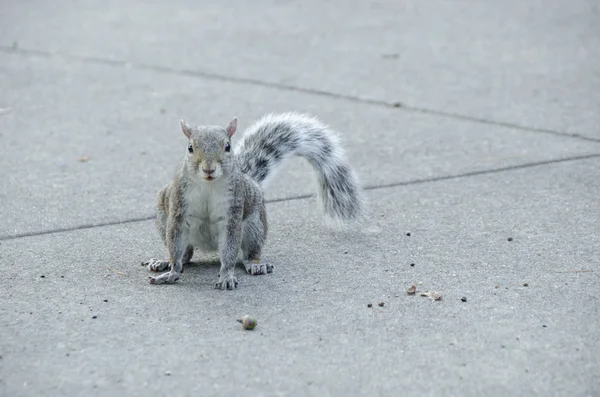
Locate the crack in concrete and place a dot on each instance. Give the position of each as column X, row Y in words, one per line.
column 286, row 87
column 305, row 196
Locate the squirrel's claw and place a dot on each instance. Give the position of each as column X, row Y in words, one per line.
column 256, row 269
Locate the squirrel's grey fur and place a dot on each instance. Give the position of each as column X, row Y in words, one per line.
column 216, row 203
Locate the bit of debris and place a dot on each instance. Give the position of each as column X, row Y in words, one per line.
column 412, row 265
column 396, row 105
column 247, row 322
column 83, row 159
column 345, row 252
column 369, row 305
column 545, row 326
column 390, row 56
column 436, row 296
column 105, row 300
column 42, row 276
column 94, row 317
column 510, row 239
column 117, row 272
column 381, row 304
column 463, row 299
column 497, row 286
column 168, row 373
column 408, row 234
column 525, row 284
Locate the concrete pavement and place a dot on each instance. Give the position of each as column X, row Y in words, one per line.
column 497, row 135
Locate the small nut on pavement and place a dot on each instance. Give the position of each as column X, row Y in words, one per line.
column 369, row 305
column 381, row 304
column 464, row 299
column 412, row 290
column 248, row 322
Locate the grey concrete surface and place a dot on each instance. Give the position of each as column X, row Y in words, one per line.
column 533, row 63
column 316, row 335
column 127, row 122
column 498, row 136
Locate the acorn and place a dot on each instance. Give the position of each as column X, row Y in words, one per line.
column 248, row 322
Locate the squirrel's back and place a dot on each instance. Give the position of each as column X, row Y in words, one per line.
column 275, row 137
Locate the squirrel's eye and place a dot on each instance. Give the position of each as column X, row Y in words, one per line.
column 190, row 148
column 227, row 147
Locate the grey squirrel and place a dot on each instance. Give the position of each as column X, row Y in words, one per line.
column 216, row 203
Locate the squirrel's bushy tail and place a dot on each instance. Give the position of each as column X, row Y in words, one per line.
column 272, row 139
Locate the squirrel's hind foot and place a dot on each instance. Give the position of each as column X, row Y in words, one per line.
column 165, row 278
column 256, row 268
column 156, row 265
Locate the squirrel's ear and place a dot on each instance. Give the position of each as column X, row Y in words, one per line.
column 232, row 126
column 186, row 129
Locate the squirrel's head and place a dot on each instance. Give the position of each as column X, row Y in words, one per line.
column 209, row 153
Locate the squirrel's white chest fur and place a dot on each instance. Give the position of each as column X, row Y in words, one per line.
column 205, row 214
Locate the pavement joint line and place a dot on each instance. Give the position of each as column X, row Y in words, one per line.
column 305, row 196
column 286, row 87
column 484, row 172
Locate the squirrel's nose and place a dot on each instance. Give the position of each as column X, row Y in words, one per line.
column 208, row 171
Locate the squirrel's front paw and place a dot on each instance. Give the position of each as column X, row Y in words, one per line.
column 227, row 282
column 165, row 278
